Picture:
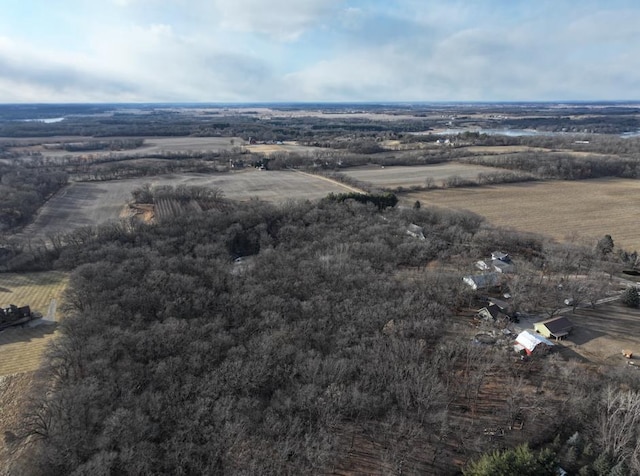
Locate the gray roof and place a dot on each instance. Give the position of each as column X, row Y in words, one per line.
column 481, row 281
column 503, row 266
column 415, row 230
column 500, row 255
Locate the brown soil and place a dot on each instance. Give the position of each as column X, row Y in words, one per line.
column 144, row 212
column 560, row 209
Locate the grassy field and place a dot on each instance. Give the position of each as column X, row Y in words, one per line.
column 21, row 348
column 269, row 149
column 398, row 176
column 586, row 209
column 90, row 203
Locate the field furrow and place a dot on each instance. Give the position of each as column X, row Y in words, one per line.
column 585, row 209
column 21, row 348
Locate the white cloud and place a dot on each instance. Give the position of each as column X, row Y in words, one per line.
column 251, row 50
column 284, row 20
column 605, row 26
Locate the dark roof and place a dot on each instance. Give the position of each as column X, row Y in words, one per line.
column 503, row 305
column 492, row 309
column 557, row 324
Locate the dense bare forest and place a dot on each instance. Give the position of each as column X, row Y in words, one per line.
column 258, row 339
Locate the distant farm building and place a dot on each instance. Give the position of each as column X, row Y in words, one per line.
column 556, row 328
column 532, row 343
column 500, row 262
column 482, row 281
column 496, row 265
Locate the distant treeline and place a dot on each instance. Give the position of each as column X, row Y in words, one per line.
column 563, row 166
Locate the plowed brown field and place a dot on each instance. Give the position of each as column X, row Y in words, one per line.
column 586, row 209
column 408, row 176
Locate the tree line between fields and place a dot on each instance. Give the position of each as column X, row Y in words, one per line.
column 261, row 339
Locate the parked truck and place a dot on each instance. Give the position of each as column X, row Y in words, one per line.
column 14, row 316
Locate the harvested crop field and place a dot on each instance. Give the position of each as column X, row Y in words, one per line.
column 21, row 348
column 399, row 176
column 586, row 209
column 152, row 146
column 90, row 203
column 269, row 149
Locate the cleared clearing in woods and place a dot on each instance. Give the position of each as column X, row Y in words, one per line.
column 585, row 209
column 21, row 348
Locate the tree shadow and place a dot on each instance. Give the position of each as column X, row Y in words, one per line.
column 24, row 333
column 568, row 353
column 582, row 335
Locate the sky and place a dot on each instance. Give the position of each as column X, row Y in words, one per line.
column 318, row 50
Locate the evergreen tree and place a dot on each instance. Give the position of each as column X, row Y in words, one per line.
column 605, row 246
column 630, row 297
column 520, row 460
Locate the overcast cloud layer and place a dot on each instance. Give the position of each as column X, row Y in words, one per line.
column 318, row 50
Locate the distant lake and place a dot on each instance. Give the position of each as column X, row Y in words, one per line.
column 630, row 134
column 495, row 132
column 516, row 132
column 51, row 120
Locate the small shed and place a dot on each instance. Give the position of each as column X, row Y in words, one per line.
column 530, row 343
column 557, row 327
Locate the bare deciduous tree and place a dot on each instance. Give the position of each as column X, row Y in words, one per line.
column 618, row 426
